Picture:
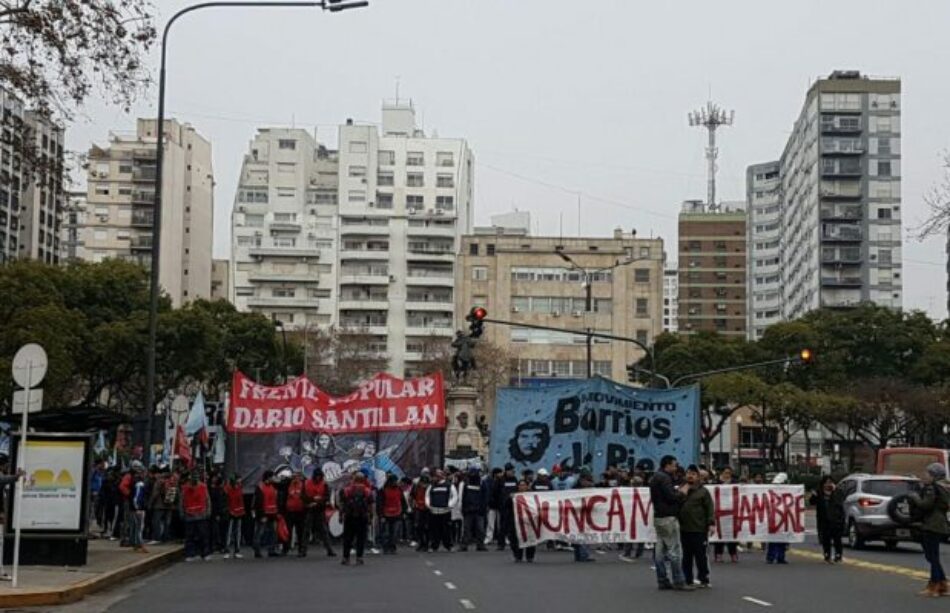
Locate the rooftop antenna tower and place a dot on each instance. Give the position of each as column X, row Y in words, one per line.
column 711, row 117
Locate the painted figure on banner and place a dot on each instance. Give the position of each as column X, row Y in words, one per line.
column 529, row 443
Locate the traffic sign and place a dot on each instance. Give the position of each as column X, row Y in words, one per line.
column 19, row 401
column 29, row 365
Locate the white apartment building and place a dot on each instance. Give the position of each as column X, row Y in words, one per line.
column 31, row 199
column 118, row 214
column 363, row 238
column 764, row 234
column 671, row 283
column 405, row 201
column 840, row 197
column 284, row 229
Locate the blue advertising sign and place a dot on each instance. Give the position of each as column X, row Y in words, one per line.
column 595, row 423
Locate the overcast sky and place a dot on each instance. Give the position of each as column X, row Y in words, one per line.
column 559, row 97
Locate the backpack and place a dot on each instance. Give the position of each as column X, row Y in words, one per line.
column 355, row 503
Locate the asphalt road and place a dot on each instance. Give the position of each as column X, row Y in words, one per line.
column 449, row 582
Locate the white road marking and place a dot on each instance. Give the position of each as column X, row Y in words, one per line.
column 467, row 604
column 603, row 553
column 449, row 585
column 428, row 563
column 437, row 573
column 761, row 603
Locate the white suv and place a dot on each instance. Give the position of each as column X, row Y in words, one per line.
column 865, row 508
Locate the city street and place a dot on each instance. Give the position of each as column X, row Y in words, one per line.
column 411, row 582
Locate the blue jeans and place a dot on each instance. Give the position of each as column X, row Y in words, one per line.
column 931, row 545
column 775, row 552
column 669, row 549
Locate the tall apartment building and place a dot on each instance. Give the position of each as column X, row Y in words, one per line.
column 284, row 229
column 31, row 194
column 523, row 279
column 120, row 200
column 405, row 201
column 363, row 238
column 671, row 283
column 764, row 211
column 712, row 269
column 74, row 219
column 840, row 178
column 220, row 279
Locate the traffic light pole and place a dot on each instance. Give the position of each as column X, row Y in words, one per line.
column 590, row 336
column 719, row 371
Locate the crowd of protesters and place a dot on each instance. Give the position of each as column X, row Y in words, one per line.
column 451, row 509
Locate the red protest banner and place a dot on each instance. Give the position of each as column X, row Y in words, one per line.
column 747, row 513
column 381, row 404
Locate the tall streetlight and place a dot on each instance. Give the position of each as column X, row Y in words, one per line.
column 283, row 332
column 589, row 275
column 333, row 6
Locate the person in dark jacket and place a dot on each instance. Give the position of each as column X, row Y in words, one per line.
column 697, row 517
column 829, row 512
column 520, row 553
column 667, row 499
column 219, row 515
column 475, row 495
column 504, row 488
column 392, row 507
column 933, row 502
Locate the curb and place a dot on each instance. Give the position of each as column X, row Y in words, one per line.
column 78, row 591
column 892, row 569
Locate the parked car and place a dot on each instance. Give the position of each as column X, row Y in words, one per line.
column 865, row 507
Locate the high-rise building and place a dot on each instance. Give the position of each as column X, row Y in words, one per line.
column 120, row 200
column 671, row 283
column 31, row 193
column 712, row 269
column 284, row 229
column 523, row 279
column 840, row 178
column 220, row 279
column 74, row 219
column 364, row 238
column 764, row 283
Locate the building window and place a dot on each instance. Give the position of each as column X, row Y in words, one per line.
column 490, row 249
column 415, row 202
column 285, row 217
column 884, row 256
column 286, row 192
column 641, row 275
column 415, row 158
column 287, row 143
column 445, row 203
column 359, row 146
column 283, row 292
column 642, row 336
column 473, row 249
column 883, row 168
column 602, row 368
column 357, row 195
column 384, row 178
column 445, row 158
column 387, row 158
column 445, row 181
column 415, row 179
column 357, row 171
column 884, row 213
column 642, row 307
column 384, row 201
column 479, row 273
column 102, row 190
column 883, row 146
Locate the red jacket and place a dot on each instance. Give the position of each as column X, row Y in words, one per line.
column 235, row 500
column 392, row 501
column 315, row 494
column 267, row 494
column 125, row 486
column 194, row 499
column 295, row 492
column 419, row 497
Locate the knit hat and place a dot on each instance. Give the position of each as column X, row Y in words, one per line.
column 937, row 470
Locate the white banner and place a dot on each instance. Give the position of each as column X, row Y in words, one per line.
column 746, row 513
column 52, row 498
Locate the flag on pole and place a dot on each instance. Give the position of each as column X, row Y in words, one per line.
column 100, row 447
column 197, row 423
column 182, row 450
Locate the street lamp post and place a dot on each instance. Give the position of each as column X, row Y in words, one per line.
column 283, row 332
column 589, row 296
column 333, row 6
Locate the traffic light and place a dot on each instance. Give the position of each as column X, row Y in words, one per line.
column 475, row 321
column 807, row 356
column 632, row 372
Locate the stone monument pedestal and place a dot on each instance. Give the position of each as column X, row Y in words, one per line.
column 462, row 436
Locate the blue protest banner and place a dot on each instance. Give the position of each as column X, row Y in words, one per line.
column 595, row 423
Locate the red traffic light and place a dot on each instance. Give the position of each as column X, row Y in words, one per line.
column 478, row 313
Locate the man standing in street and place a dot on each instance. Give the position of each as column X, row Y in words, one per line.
column 504, row 488
column 356, row 507
column 492, row 527
column 440, row 498
column 316, row 495
column 265, row 515
column 297, row 513
column 475, row 493
column 667, row 500
column 697, row 518
column 195, row 511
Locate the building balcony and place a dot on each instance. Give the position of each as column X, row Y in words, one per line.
column 841, row 281
column 363, row 230
column 140, row 197
column 842, row 233
column 142, row 219
column 302, row 303
column 363, row 279
column 365, row 254
column 286, row 226
column 836, row 149
column 828, row 127
column 844, row 213
column 848, row 191
column 143, row 174
column 838, row 259
column 361, row 326
column 260, row 251
column 446, row 306
column 365, row 304
column 141, row 243
column 145, row 154
column 441, row 231
column 430, row 255
column 442, row 329
column 283, row 277
column 833, row 172
column 429, row 279
column 840, row 303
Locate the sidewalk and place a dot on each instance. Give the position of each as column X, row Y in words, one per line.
column 107, row 565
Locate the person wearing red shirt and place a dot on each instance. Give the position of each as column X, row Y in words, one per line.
column 420, row 511
column 316, row 495
column 393, row 506
column 236, row 512
column 357, row 509
column 297, row 513
column 265, row 516
column 195, row 509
